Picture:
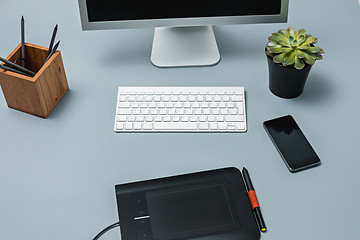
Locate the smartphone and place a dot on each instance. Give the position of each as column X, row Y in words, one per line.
column 291, row 143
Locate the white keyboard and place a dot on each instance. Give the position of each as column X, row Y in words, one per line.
column 180, row 109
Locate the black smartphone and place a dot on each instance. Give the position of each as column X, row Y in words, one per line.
column 291, row 143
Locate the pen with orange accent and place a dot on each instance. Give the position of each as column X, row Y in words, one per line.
column 253, row 200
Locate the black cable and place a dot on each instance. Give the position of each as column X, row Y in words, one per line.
column 106, row 229
column 26, row 63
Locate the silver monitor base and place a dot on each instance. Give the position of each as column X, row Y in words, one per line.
column 184, row 46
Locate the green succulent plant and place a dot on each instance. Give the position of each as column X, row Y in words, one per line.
column 291, row 47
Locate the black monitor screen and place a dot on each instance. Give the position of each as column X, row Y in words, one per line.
column 118, row 10
column 189, row 211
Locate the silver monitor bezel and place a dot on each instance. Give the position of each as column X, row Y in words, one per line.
column 176, row 22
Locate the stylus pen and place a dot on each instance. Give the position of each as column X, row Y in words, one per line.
column 253, row 200
column 17, row 67
column 14, row 70
column 52, row 51
column 22, row 41
column 52, row 40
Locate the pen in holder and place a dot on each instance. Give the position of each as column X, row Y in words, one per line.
column 36, row 95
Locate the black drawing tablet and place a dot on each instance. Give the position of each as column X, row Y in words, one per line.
column 210, row 205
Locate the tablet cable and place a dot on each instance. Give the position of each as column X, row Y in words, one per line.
column 106, row 229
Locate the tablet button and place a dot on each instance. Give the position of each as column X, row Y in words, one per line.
column 139, row 201
column 141, row 212
column 144, row 233
column 142, row 222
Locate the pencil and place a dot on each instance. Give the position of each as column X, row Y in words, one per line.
column 52, row 40
column 22, row 41
column 17, row 67
column 14, row 70
column 253, row 200
column 52, row 51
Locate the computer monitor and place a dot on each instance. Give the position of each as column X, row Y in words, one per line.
column 183, row 29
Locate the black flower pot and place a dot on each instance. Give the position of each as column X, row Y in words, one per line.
column 286, row 82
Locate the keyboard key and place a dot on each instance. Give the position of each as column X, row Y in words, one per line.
column 122, row 98
column 137, row 126
column 140, row 98
column 234, row 118
column 231, row 126
column 153, row 111
column 219, row 118
column 217, row 99
column 213, row 126
column 169, row 105
column 215, row 112
column 183, row 99
column 178, row 105
column 240, row 109
column 226, row 99
column 193, row 119
column 240, row 126
column 119, row 126
column 145, row 111
column 157, row 119
column 174, row 98
column 175, row 126
column 131, row 99
column 200, row 98
column 134, row 105
column 128, row 126
column 124, row 105
column 222, row 126
column 207, row 112
column 192, row 98
column 237, row 98
column 211, row 118
column 203, row 126
column 195, row 105
column 197, row 112
column 184, row 118
column 176, row 119
column 186, row 105
column 140, row 118
column 232, row 111
column 124, row 111
column 166, row 118
column 121, row 118
column 188, row 111
column 202, row 119
column 223, row 111
column 222, row 105
column 147, row 126
column 152, row 105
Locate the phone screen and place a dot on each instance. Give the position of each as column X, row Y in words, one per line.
column 291, row 143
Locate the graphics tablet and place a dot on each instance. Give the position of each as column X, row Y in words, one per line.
column 210, row 205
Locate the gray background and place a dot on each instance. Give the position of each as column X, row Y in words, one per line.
column 57, row 176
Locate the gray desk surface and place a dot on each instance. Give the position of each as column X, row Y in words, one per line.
column 57, row 175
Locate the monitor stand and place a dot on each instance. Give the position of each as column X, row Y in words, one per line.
column 184, row 47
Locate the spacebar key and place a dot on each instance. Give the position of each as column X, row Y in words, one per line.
column 175, row 126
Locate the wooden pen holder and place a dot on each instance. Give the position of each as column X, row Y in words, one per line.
column 36, row 95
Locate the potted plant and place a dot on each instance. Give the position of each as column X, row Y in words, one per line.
column 290, row 56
